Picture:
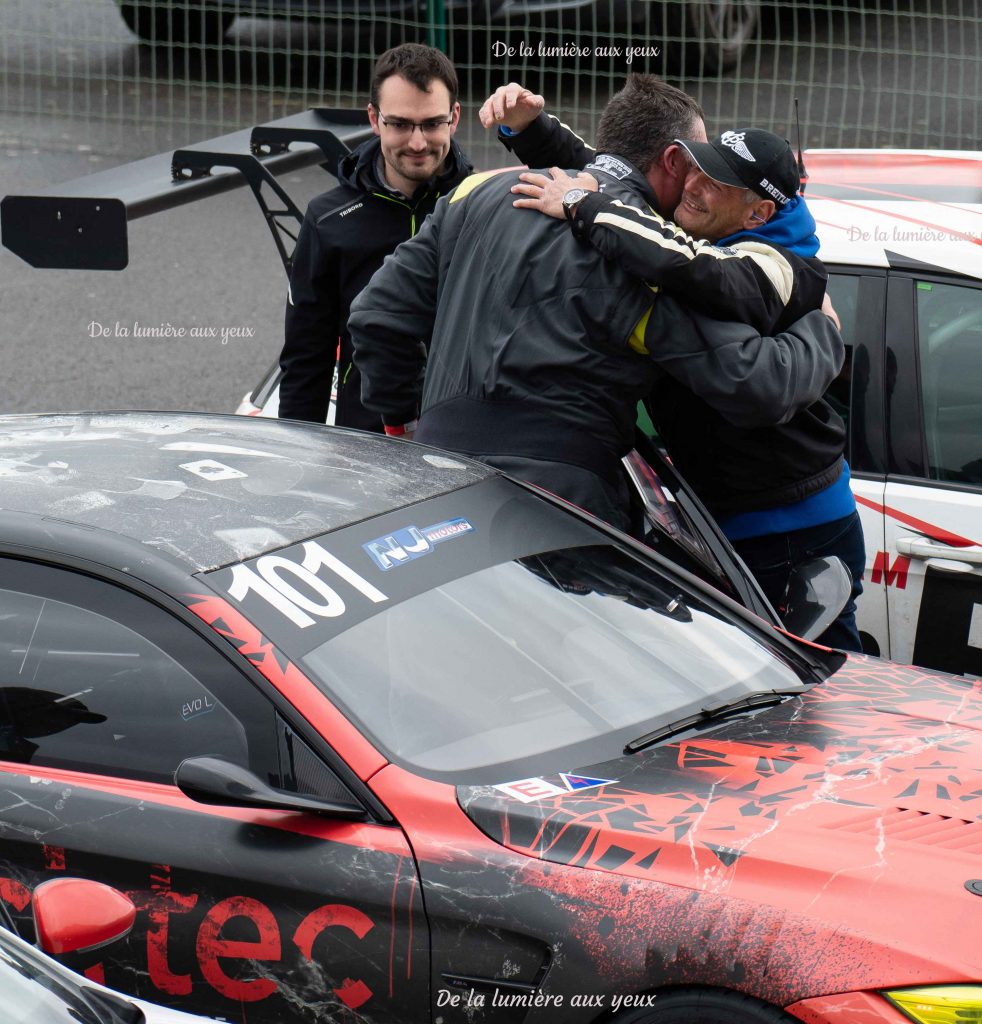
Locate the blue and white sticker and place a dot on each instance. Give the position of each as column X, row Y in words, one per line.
column 402, row 546
column 577, row 783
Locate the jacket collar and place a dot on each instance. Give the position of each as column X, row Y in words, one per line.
column 608, row 167
column 359, row 169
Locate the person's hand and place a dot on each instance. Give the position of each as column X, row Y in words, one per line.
column 511, row 105
column 829, row 310
column 404, row 431
column 546, row 194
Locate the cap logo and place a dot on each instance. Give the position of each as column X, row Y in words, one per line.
column 734, row 140
column 775, row 192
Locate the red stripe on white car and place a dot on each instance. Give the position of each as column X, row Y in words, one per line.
column 933, row 532
column 891, row 214
column 892, row 194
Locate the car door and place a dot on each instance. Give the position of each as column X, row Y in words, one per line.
column 244, row 913
column 933, row 498
column 859, row 297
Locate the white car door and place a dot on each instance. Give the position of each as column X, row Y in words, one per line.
column 932, row 572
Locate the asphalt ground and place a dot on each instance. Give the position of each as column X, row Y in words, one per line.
column 78, row 94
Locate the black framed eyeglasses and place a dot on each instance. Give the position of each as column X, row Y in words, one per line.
column 400, row 126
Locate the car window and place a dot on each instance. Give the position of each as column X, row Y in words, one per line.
column 949, row 340
column 95, row 679
column 667, row 525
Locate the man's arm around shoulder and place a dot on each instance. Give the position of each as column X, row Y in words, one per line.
column 750, row 379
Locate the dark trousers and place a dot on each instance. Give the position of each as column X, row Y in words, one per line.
column 772, row 558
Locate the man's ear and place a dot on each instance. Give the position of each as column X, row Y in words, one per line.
column 675, row 161
column 456, row 118
column 760, row 213
column 373, row 119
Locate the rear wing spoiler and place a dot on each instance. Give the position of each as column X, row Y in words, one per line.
column 82, row 225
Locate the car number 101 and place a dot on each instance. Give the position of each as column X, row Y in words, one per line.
column 274, row 576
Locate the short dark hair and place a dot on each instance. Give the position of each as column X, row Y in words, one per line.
column 419, row 65
column 644, row 118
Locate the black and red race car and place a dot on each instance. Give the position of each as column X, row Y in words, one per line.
column 368, row 732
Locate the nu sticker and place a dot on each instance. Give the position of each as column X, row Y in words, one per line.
column 402, row 546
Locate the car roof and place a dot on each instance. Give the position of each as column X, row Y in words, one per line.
column 207, row 490
column 916, row 209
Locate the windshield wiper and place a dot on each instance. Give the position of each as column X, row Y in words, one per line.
column 710, row 713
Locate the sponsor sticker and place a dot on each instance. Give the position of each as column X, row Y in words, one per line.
column 197, row 706
column 209, row 469
column 402, row 546
column 530, row 790
column 576, row 783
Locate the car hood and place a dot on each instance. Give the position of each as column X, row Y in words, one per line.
column 857, row 802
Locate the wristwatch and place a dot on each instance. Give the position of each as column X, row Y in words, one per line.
column 572, row 197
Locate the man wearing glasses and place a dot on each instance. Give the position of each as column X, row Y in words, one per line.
column 387, row 187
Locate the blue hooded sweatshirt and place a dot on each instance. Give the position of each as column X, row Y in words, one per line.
column 792, row 228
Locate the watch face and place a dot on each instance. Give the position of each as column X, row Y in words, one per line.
column 574, row 195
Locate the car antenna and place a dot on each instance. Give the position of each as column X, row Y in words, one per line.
column 802, row 173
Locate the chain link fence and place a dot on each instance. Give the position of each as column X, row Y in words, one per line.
column 146, row 75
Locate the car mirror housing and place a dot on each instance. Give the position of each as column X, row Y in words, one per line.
column 817, row 591
column 213, row 780
column 78, row 915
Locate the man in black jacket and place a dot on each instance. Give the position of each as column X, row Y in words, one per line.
column 540, row 348
column 781, row 491
column 387, row 187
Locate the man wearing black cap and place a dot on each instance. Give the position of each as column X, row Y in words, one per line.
column 780, row 493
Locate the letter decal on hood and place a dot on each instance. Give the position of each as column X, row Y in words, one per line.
column 530, row 790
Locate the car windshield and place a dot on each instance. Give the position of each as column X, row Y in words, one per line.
column 557, row 657
column 486, row 633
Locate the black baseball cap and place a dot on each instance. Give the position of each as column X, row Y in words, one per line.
column 749, row 158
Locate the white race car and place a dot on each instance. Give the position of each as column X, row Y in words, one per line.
column 901, row 234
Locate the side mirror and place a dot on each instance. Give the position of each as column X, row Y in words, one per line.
column 77, row 915
column 213, row 780
column 817, row 591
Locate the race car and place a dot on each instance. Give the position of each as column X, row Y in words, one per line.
column 901, row 234
column 367, row 731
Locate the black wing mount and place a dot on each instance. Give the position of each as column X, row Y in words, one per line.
column 82, row 225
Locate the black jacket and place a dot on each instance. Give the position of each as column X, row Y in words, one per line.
column 733, row 464
column 346, row 234
column 539, row 346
